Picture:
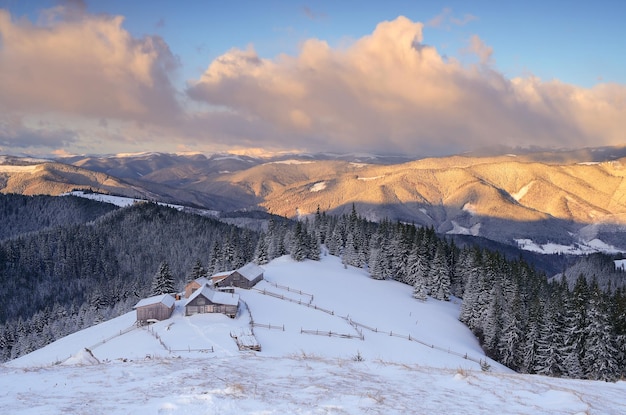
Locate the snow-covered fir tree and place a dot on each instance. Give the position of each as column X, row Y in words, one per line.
column 163, row 282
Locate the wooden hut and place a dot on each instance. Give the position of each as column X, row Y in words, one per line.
column 158, row 307
column 207, row 300
column 244, row 277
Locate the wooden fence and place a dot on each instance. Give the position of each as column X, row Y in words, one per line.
column 483, row 362
column 189, row 349
column 331, row 334
column 358, row 326
column 299, row 302
column 267, row 326
column 101, row 342
column 293, row 290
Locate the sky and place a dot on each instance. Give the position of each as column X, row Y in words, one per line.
column 396, row 77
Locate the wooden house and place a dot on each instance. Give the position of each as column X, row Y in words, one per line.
column 192, row 286
column 158, row 307
column 244, row 277
column 207, row 300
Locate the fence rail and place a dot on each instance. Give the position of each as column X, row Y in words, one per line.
column 293, row 290
column 331, row 334
column 299, row 302
column 267, row 326
column 483, row 362
column 101, row 342
column 211, row 350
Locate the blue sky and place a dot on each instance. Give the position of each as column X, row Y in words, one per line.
column 551, row 54
column 577, row 42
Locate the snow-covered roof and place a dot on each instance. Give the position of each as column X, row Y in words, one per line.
column 202, row 281
column 222, row 274
column 250, row 271
column 216, row 297
column 166, row 299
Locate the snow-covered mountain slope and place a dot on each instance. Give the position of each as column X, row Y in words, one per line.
column 573, row 199
column 192, row 365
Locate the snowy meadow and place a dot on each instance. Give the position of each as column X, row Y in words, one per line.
column 333, row 341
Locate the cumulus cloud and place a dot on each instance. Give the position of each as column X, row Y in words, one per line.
column 75, row 63
column 391, row 92
column 386, row 92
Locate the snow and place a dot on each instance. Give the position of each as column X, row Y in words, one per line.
column 290, row 162
column 620, row 264
column 83, row 357
column 318, row 186
column 18, row 169
column 250, row 271
column 461, row 230
column 192, row 365
column 522, row 192
column 216, row 297
column 120, row 201
column 581, row 248
column 367, row 179
column 469, row 208
column 166, row 299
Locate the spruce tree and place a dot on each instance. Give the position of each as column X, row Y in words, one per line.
column 600, row 358
column 197, row 271
column 163, row 282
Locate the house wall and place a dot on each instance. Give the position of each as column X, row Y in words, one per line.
column 190, row 288
column 154, row 311
column 197, row 306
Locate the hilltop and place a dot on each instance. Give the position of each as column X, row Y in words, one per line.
column 155, row 369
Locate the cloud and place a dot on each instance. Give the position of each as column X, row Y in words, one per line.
column 82, row 83
column 446, row 20
column 480, row 49
column 74, row 63
column 14, row 134
column 308, row 12
column 390, row 92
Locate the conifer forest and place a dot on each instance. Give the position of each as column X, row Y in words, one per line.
column 68, row 263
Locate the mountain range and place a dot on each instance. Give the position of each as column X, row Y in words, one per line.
column 551, row 201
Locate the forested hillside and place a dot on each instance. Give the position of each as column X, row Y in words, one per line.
column 596, row 267
column 521, row 319
column 59, row 280
column 62, row 279
column 21, row 214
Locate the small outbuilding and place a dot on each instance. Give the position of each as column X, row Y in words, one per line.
column 207, row 300
column 159, row 307
column 244, row 277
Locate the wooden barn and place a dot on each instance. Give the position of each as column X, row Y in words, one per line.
column 244, row 277
column 192, row 286
column 158, row 307
column 207, row 300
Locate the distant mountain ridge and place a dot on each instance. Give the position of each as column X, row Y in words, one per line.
column 569, row 198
